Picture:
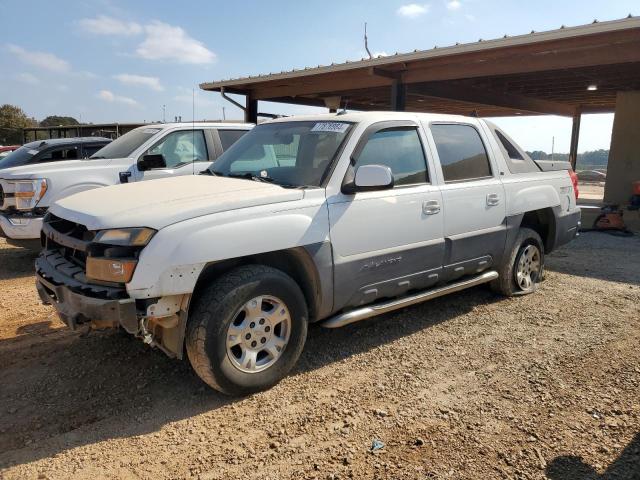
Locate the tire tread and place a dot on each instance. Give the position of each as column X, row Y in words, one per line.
column 204, row 310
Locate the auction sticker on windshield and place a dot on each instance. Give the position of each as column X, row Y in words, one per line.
column 337, row 127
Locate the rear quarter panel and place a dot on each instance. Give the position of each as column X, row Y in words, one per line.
column 535, row 191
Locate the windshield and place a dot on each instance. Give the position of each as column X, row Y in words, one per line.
column 18, row 157
column 125, row 145
column 286, row 153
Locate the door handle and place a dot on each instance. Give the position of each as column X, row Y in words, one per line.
column 430, row 207
column 493, row 199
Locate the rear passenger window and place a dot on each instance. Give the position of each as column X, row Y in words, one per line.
column 400, row 149
column 229, row 137
column 461, row 151
column 511, row 151
column 517, row 161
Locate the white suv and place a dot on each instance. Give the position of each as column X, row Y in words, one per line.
column 146, row 153
column 329, row 218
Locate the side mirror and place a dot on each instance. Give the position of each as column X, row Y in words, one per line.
column 149, row 162
column 373, row 177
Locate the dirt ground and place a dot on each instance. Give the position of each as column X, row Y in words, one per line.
column 467, row 386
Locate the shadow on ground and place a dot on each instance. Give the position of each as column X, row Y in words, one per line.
column 16, row 262
column 625, row 467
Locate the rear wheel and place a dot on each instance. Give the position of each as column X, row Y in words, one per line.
column 523, row 268
column 247, row 329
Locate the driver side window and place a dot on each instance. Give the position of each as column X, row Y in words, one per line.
column 400, row 149
column 180, row 148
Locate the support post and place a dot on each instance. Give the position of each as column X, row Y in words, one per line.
column 623, row 168
column 398, row 95
column 251, row 110
column 575, row 137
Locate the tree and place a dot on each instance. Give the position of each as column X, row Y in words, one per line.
column 55, row 120
column 586, row 161
column 12, row 121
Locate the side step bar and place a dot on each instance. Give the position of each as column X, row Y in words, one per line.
column 369, row 311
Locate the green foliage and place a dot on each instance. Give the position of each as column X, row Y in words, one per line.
column 55, row 121
column 12, row 121
column 586, row 161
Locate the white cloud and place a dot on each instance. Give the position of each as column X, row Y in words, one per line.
column 27, row 78
column 379, row 54
column 139, row 80
column 412, row 10
column 103, row 25
column 46, row 61
column 110, row 97
column 454, row 4
column 161, row 40
column 166, row 42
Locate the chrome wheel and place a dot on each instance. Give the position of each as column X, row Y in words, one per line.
column 258, row 334
column 528, row 268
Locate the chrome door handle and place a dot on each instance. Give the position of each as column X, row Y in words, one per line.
column 430, row 207
column 493, row 199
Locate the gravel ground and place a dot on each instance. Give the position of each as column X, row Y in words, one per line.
column 467, row 386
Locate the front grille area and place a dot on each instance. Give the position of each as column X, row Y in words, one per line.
column 63, row 260
column 69, row 239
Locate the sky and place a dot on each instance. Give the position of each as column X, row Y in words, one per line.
column 118, row 61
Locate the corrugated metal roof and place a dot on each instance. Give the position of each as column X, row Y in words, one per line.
column 563, row 32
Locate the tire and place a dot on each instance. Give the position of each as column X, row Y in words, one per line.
column 508, row 283
column 226, row 311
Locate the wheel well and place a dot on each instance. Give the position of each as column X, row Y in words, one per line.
column 295, row 262
column 542, row 221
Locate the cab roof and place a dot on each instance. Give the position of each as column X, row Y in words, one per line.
column 65, row 141
column 367, row 117
column 221, row 125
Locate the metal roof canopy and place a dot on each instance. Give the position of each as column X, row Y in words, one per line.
column 537, row 73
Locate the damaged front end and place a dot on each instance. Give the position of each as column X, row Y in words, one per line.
column 84, row 279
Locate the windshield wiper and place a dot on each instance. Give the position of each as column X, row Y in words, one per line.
column 97, row 157
column 251, row 176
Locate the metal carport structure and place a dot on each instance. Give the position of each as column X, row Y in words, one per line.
column 568, row 72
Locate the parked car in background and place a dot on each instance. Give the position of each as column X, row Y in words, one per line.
column 591, row 176
column 7, row 149
column 146, row 153
column 53, row 150
column 324, row 218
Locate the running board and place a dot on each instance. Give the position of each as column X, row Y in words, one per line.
column 363, row 313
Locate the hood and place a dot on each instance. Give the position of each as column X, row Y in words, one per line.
column 45, row 170
column 159, row 203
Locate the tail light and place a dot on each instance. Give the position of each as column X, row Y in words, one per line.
column 574, row 181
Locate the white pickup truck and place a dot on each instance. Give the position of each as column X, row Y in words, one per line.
column 149, row 152
column 327, row 218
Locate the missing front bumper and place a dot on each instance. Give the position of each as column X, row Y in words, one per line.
column 75, row 309
column 80, row 303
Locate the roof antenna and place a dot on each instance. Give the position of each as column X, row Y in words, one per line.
column 344, row 109
column 366, row 41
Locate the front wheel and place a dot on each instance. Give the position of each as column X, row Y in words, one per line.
column 247, row 329
column 522, row 269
